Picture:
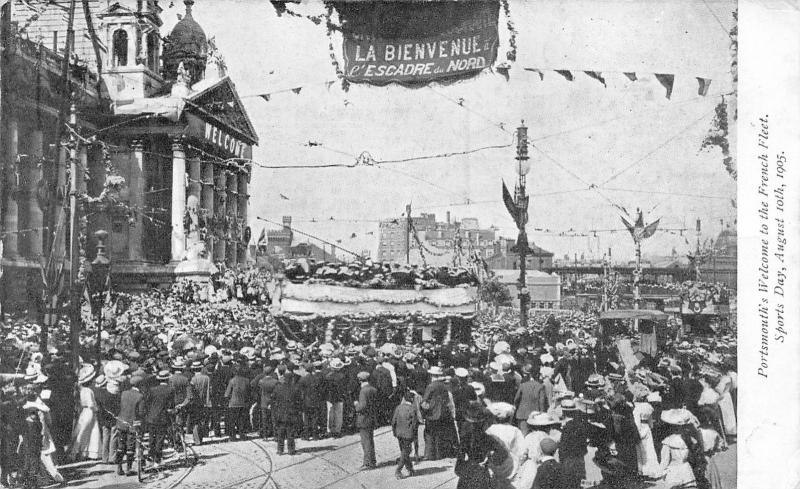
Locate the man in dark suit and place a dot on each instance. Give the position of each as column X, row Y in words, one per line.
column 160, row 403
column 131, row 413
column 266, row 387
column 366, row 414
column 463, row 393
column 287, row 406
column 438, row 418
column 311, row 387
column 573, row 445
column 531, row 396
column 237, row 394
column 550, row 474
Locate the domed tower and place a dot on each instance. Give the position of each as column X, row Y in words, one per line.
column 187, row 44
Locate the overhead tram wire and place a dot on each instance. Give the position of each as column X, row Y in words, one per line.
column 651, row 152
column 293, row 229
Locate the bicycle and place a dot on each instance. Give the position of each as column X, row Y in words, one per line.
column 173, row 437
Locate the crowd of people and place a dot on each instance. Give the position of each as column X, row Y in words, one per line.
column 516, row 407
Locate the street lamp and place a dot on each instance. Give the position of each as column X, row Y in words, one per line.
column 521, row 200
column 99, row 278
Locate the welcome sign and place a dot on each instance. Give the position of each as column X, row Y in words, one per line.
column 414, row 44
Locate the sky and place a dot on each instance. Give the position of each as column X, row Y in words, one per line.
column 626, row 141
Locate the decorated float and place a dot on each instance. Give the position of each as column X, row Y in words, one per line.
column 362, row 308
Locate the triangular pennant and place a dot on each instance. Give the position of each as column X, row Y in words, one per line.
column 297, row 90
column 329, row 84
column 597, row 76
column 702, row 86
column 511, row 206
column 650, row 229
column 667, row 81
column 540, row 72
column 265, row 97
column 566, row 74
column 631, row 76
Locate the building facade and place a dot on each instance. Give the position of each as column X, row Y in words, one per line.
column 162, row 138
column 441, row 241
column 505, row 259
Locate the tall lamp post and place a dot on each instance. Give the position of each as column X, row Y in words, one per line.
column 99, row 278
column 521, row 201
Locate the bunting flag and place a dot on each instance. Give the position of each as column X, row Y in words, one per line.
column 262, row 237
column 631, row 76
column 511, row 206
column 265, row 97
column 328, row 85
column 539, row 72
column 597, row 76
column 703, row 84
column 296, row 90
column 566, row 74
column 638, row 230
column 284, row 197
column 518, row 211
column 666, row 81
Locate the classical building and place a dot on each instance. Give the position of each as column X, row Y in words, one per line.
column 159, row 114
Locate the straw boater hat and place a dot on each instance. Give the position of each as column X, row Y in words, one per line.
column 501, row 347
column 677, row 417
column 336, row 364
column 436, row 371
column 461, row 372
column 162, row 376
column 541, row 419
column 85, row 373
column 501, row 410
column 595, row 380
column 100, row 381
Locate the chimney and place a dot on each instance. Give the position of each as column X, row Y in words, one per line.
column 448, row 217
column 287, row 223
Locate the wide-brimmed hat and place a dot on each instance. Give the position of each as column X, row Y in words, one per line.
column 114, row 369
column 480, row 389
column 100, row 381
column 595, row 380
column 197, row 365
column 85, row 373
column 541, row 419
column 501, row 347
column 163, row 375
column 363, row 376
column 291, row 345
column 615, row 377
column 210, row 350
column 178, row 364
column 568, row 405
column 336, row 364
column 501, row 410
column 654, row 397
column 677, row 417
column 248, row 352
column 461, row 372
column 436, row 371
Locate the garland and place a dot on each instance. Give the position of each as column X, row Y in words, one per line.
column 331, row 27
column 511, row 54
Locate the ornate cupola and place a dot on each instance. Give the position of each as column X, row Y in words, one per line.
column 187, row 44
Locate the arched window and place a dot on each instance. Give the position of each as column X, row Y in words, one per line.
column 152, row 50
column 120, row 48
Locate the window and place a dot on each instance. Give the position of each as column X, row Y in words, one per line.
column 152, row 50
column 120, row 48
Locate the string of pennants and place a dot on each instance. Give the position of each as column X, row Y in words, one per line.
column 296, row 90
column 666, row 80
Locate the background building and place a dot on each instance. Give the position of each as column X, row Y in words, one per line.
column 162, row 137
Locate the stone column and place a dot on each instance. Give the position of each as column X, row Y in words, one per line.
column 195, row 187
column 243, row 211
column 178, row 201
column 207, row 203
column 35, row 214
column 233, row 207
column 12, row 177
column 136, row 200
column 220, row 211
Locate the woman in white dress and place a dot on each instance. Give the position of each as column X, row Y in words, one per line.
column 511, row 439
column 726, row 404
column 86, row 438
column 645, row 449
column 542, row 425
column 675, row 465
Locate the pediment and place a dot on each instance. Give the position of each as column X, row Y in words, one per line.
column 219, row 103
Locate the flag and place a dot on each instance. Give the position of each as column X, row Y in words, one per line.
column 702, row 88
column 297, row 90
column 329, row 84
column 631, row 76
column 566, row 74
column 541, row 74
column 597, row 76
column 518, row 212
column 352, row 236
column 650, row 229
column 511, row 206
column 263, row 236
column 284, row 197
column 265, row 96
column 666, row 81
